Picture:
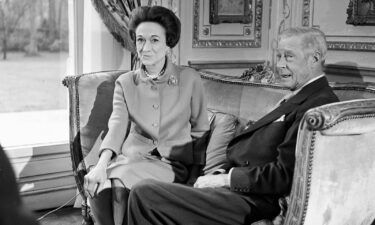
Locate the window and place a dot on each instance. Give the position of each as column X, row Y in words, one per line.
column 33, row 61
column 50, row 39
column 43, row 44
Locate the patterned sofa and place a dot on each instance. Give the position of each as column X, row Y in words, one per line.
column 335, row 170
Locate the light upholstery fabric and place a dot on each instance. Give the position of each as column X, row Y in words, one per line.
column 335, row 173
column 340, row 196
column 223, row 129
column 343, row 173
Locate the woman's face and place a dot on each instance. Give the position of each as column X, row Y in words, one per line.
column 151, row 43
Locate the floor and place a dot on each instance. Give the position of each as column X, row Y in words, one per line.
column 64, row 216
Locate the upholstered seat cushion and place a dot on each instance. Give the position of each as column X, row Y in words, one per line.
column 223, row 128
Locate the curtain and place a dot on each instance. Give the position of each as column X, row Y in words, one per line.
column 115, row 15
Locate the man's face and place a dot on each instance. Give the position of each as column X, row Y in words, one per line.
column 293, row 67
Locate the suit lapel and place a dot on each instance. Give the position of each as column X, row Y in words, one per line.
column 283, row 109
column 289, row 105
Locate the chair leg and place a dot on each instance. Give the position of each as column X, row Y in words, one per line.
column 88, row 222
column 85, row 211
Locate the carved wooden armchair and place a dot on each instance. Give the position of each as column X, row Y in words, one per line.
column 335, row 166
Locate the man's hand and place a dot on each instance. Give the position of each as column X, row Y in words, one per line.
column 214, row 181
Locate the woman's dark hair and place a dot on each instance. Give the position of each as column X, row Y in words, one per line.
column 158, row 14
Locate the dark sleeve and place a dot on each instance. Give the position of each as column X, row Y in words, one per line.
column 12, row 210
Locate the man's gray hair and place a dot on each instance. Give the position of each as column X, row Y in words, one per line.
column 313, row 39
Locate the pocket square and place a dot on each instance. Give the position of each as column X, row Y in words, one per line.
column 280, row 119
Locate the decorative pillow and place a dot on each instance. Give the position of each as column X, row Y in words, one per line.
column 223, row 129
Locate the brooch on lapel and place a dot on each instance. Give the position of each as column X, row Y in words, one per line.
column 172, row 81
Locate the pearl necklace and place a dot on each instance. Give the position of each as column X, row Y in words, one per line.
column 155, row 76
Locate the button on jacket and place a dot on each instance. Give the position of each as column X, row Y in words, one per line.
column 165, row 113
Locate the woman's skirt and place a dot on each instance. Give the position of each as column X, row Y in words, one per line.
column 131, row 171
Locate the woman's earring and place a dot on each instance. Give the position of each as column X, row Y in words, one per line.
column 135, row 61
column 170, row 55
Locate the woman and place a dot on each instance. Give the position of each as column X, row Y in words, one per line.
column 159, row 111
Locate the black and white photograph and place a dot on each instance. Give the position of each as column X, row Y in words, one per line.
column 187, row 112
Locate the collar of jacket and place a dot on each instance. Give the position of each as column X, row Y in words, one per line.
column 308, row 90
column 170, row 75
column 289, row 105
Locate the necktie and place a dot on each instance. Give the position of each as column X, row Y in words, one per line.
column 282, row 101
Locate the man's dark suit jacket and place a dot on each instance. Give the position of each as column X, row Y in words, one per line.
column 263, row 156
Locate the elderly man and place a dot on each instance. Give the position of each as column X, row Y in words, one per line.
column 249, row 191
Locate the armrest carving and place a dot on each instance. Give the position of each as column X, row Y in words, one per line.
column 324, row 117
column 318, row 119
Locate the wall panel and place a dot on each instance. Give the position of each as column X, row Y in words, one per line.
column 44, row 174
column 231, row 43
column 349, row 45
